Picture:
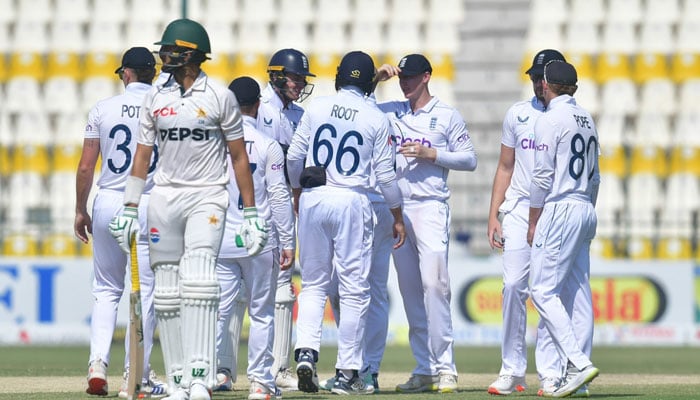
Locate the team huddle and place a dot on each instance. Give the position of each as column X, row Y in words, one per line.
column 212, row 187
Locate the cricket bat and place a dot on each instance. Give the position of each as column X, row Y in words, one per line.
column 135, row 327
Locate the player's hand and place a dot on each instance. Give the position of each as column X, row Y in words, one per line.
column 123, row 226
column 286, row 259
column 254, row 231
column 82, row 226
column 385, row 72
column 495, row 234
column 400, row 233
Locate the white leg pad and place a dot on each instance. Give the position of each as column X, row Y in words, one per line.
column 199, row 288
column 166, row 301
column 235, row 327
column 284, row 305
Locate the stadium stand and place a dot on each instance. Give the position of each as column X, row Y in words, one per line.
column 638, row 63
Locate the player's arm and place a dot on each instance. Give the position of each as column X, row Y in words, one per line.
column 501, row 180
column 241, row 171
column 137, row 180
column 83, row 182
column 383, row 168
column 280, row 204
column 542, row 174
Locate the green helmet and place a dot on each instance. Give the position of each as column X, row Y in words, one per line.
column 186, row 33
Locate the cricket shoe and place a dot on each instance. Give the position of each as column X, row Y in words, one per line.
column 224, row 383
column 574, row 380
column 286, row 381
column 327, row 384
column 354, row 385
column 419, row 383
column 507, row 384
column 447, row 383
column 306, row 372
column 178, row 394
column 97, row 378
column 154, row 388
column 548, row 386
column 258, row 391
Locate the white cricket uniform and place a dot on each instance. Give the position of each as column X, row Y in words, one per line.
column 421, row 263
column 189, row 198
column 186, row 217
column 257, row 273
column 115, row 122
column 280, row 122
column 350, row 138
column 518, row 134
column 565, row 183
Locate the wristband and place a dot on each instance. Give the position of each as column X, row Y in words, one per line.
column 133, row 189
column 132, row 212
column 250, row 212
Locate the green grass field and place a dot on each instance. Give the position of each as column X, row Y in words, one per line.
column 58, row 373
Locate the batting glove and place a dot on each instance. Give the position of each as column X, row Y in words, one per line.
column 254, row 231
column 123, row 226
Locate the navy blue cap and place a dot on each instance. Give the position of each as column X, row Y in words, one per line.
column 541, row 59
column 137, row 58
column 560, row 72
column 414, row 64
column 246, row 89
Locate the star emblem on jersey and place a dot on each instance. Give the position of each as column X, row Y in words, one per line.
column 213, row 219
column 201, row 113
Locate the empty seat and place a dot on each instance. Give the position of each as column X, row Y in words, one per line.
column 591, row 11
column 32, row 128
column 34, row 11
column 667, row 11
column 405, row 37
column 223, row 38
column 619, row 37
column 292, row 34
column 685, row 66
column 300, row 11
column 255, row 37
column 689, row 97
column 258, row 11
column 98, row 88
column 587, row 95
column 59, row 244
column 72, row 11
column 612, row 129
column 109, row 11
column 9, row 11
column 105, row 37
column 20, row 245
column 686, row 37
column 27, row 64
column 685, row 159
column 690, row 11
column 685, row 131
column 143, row 33
column 649, row 66
column 367, row 35
column 582, row 37
column 619, row 96
column 541, row 36
column 443, row 37
column 328, row 37
column 219, row 68
column 625, row 11
column 23, row 94
column 651, row 129
column 446, row 11
column 648, row 160
column 251, row 64
column 70, row 128
column 613, row 161
column 554, row 12
column 644, row 195
column 658, row 97
column 67, row 37
column 657, row 37
column 30, row 36
column 334, row 11
column 407, row 12
column 610, row 205
column 611, row 66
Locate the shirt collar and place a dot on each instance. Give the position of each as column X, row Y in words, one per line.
column 270, row 95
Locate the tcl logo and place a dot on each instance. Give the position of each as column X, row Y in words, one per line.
column 164, row 112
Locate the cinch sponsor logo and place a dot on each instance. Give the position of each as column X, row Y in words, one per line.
column 400, row 140
column 164, row 112
column 154, row 234
column 196, row 134
column 616, row 299
column 276, row 167
column 463, row 137
column 529, row 144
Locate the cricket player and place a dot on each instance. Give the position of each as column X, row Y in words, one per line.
column 562, row 220
column 193, row 121
column 277, row 116
column 259, row 272
column 510, row 197
column 340, row 140
column 433, row 139
column 110, row 133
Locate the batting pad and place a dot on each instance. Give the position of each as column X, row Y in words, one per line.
column 200, row 304
column 166, row 302
column 284, row 304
